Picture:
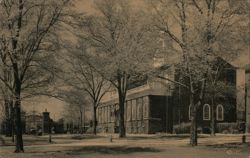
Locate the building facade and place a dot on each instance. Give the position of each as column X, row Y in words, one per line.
column 147, row 109
column 247, row 107
column 33, row 122
column 161, row 106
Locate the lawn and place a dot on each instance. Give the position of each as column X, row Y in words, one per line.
column 134, row 146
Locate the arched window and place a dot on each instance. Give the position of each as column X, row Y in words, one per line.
column 220, row 112
column 206, row 112
column 189, row 112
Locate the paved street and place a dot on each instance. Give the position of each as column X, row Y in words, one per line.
column 136, row 146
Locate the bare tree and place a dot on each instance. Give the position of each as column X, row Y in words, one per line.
column 5, row 70
column 28, row 27
column 77, row 103
column 181, row 39
column 82, row 76
column 218, row 31
column 121, row 48
column 197, row 29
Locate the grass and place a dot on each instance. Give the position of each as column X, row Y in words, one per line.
column 138, row 146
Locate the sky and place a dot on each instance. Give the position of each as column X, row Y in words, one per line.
column 40, row 104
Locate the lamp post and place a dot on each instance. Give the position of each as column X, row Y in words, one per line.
column 50, row 139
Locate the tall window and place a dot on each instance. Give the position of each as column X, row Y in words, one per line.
column 98, row 115
column 206, row 112
column 220, row 113
column 145, row 107
column 103, row 114
column 112, row 113
column 133, row 109
column 139, row 108
column 109, row 113
column 117, row 116
column 129, row 110
column 189, row 112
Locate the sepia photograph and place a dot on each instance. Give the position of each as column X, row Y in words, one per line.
column 124, row 78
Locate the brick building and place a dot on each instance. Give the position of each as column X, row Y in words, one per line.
column 158, row 106
column 147, row 109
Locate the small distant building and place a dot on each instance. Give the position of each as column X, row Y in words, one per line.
column 36, row 122
column 33, row 122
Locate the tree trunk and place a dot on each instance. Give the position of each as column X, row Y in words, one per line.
column 213, row 123
column 122, row 130
column 122, row 79
column 122, row 91
column 18, row 124
column 18, row 121
column 17, row 82
column 50, row 138
column 193, row 129
column 83, row 119
column 12, row 115
column 94, row 121
column 81, row 131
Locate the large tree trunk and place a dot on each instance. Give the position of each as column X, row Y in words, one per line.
column 18, row 124
column 17, row 110
column 122, row 91
column 213, row 120
column 94, row 121
column 17, row 83
column 194, row 109
column 193, row 129
column 122, row 130
column 12, row 121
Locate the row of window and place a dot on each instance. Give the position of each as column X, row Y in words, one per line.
column 107, row 113
column 207, row 112
column 135, row 109
column 138, row 109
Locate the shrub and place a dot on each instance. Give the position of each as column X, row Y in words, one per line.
column 227, row 127
column 182, row 128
